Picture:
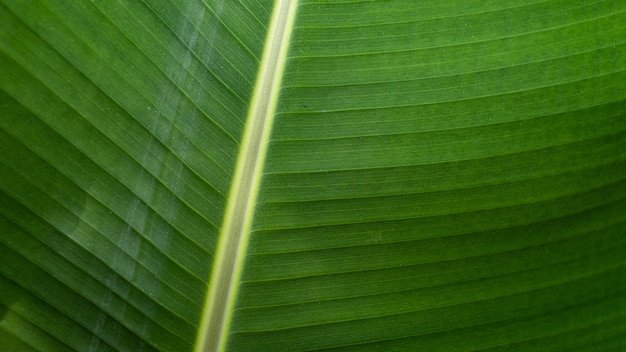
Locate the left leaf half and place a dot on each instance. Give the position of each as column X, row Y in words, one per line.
column 119, row 131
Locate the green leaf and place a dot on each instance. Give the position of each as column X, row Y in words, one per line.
column 313, row 175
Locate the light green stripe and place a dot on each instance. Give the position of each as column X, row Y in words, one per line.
column 222, row 292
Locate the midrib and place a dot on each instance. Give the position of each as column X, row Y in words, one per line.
column 234, row 236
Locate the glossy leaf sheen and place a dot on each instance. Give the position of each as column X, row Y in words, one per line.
column 441, row 175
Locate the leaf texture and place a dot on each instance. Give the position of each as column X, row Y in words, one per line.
column 121, row 125
column 440, row 175
column 443, row 176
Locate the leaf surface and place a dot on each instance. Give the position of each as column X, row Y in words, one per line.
column 435, row 175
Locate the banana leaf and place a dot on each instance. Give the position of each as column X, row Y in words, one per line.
column 252, row 175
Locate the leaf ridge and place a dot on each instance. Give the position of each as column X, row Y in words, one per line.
column 220, row 300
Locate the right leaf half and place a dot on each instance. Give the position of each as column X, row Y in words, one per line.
column 444, row 176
